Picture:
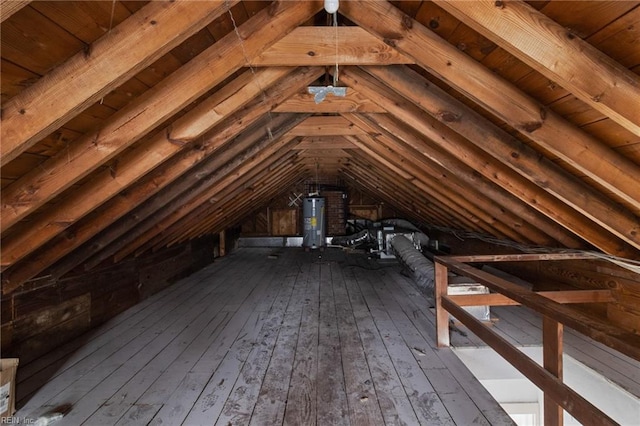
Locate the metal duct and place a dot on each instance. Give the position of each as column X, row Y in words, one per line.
column 419, row 238
column 422, row 269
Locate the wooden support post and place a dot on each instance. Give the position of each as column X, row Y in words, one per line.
column 442, row 316
column 552, row 333
column 222, row 243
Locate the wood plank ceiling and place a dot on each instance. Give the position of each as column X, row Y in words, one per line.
column 128, row 126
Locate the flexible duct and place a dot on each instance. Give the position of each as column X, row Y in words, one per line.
column 359, row 239
column 422, row 269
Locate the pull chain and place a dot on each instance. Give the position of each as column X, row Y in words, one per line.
column 335, row 26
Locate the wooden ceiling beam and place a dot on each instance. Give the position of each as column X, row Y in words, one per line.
column 386, row 124
column 445, row 204
column 325, row 142
column 183, row 201
column 357, row 183
column 69, row 263
column 152, row 240
column 605, row 166
column 238, row 206
column 265, row 173
column 257, row 202
column 200, row 219
column 495, row 217
column 157, row 105
column 243, row 148
column 454, row 199
column 108, row 62
column 433, row 211
column 57, row 173
column 558, row 54
column 327, row 125
column 386, row 179
column 266, row 180
column 9, row 7
column 149, row 194
column 132, row 166
column 327, row 46
column 422, row 178
column 515, row 154
column 400, row 196
column 191, row 221
column 249, row 204
column 182, row 206
column 554, row 189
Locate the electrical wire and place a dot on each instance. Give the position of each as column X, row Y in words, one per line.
column 265, row 100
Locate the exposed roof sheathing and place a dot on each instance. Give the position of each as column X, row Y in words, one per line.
column 128, row 126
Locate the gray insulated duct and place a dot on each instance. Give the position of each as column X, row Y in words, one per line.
column 421, row 268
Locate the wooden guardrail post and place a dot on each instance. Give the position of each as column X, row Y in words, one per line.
column 442, row 315
column 552, row 344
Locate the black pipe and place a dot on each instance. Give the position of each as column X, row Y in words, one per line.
column 363, row 238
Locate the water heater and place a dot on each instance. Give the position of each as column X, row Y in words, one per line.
column 313, row 235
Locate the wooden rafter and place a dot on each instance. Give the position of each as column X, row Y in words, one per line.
column 237, row 210
column 420, row 176
column 90, row 75
column 386, row 124
column 498, row 219
column 556, row 186
column 183, row 197
column 557, row 53
column 371, row 172
column 152, row 193
column 9, row 7
column 142, row 115
column 444, row 139
column 261, row 177
column 606, row 167
column 135, row 164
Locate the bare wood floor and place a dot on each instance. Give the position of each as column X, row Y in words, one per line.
column 266, row 338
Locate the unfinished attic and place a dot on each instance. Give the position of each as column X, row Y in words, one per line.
column 333, row 213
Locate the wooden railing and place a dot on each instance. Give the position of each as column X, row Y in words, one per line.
column 553, row 306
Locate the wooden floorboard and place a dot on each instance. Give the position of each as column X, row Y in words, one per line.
column 57, row 362
column 98, row 358
column 266, row 337
column 392, row 396
column 332, row 405
column 272, row 398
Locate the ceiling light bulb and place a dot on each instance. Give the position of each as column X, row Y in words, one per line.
column 331, row 6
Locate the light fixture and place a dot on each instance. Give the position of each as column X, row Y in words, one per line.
column 331, row 6
column 320, row 92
